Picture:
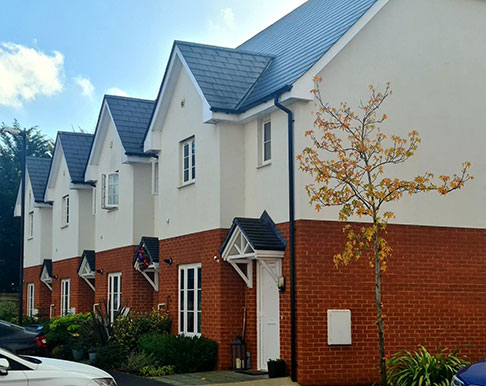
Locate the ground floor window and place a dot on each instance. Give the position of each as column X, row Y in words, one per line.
column 30, row 300
column 65, row 296
column 190, row 299
column 114, row 294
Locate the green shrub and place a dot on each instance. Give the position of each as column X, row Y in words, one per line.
column 127, row 330
column 136, row 361
column 421, row 368
column 186, row 354
column 8, row 310
column 153, row 371
column 109, row 357
column 66, row 331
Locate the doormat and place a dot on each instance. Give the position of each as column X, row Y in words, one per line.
column 251, row 372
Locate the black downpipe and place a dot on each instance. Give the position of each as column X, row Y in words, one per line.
column 290, row 115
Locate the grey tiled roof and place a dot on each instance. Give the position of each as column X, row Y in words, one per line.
column 76, row 148
column 300, row 39
column 261, row 233
column 234, row 80
column 90, row 256
column 38, row 169
column 225, row 75
column 131, row 117
column 151, row 244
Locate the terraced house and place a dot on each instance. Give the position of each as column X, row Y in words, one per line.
column 187, row 196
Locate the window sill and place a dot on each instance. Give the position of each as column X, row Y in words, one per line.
column 267, row 163
column 186, row 184
column 109, row 210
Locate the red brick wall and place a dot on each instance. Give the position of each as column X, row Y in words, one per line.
column 137, row 293
column 42, row 294
column 433, row 294
column 81, row 294
column 222, row 290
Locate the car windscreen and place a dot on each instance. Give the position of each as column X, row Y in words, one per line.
column 30, row 359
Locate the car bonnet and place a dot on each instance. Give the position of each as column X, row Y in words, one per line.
column 49, row 364
column 474, row 374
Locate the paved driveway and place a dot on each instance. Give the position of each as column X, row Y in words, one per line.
column 123, row 379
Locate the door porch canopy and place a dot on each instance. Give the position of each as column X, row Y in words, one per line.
column 46, row 273
column 146, row 260
column 87, row 268
column 252, row 239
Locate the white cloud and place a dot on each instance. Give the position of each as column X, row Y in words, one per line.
column 87, row 88
column 116, row 91
column 225, row 21
column 228, row 17
column 27, row 72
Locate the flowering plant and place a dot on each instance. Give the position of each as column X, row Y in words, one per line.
column 143, row 259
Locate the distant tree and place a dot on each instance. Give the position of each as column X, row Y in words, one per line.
column 351, row 161
column 38, row 145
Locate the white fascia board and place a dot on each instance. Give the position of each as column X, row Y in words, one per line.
column 55, row 164
column 79, row 186
column 258, row 111
column 42, row 205
column 99, row 137
column 134, row 159
column 264, row 254
column 301, row 86
column 17, row 208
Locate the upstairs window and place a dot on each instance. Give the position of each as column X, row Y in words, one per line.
column 267, row 142
column 31, row 224
column 155, row 177
column 188, row 167
column 65, row 211
column 110, row 190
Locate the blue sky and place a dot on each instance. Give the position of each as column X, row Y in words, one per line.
column 58, row 58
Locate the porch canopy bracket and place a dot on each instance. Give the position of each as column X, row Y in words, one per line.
column 87, row 268
column 46, row 273
column 252, row 239
column 146, row 260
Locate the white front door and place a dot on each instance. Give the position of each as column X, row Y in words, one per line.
column 268, row 314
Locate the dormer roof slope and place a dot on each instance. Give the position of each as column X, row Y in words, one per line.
column 225, row 75
column 76, row 147
column 131, row 117
column 38, row 169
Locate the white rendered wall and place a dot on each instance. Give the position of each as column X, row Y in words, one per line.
column 65, row 239
column 195, row 207
column 114, row 228
column 143, row 208
column 431, row 53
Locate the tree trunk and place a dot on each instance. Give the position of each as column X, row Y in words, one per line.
column 379, row 313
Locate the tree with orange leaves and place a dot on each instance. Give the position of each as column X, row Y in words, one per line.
column 350, row 160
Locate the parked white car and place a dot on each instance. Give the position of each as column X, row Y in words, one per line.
column 37, row 371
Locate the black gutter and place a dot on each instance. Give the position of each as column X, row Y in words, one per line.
column 290, row 115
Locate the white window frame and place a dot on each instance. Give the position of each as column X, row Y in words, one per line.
column 30, row 299
column 65, row 297
column 112, row 295
column 65, row 211
column 266, row 161
column 31, row 224
column 191, row 160
column 183, row 295
column 155, row 177
column 106, row 184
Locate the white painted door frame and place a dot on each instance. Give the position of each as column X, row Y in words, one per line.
column 261, row 270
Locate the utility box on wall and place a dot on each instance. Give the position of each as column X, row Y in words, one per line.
column 338, row 327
